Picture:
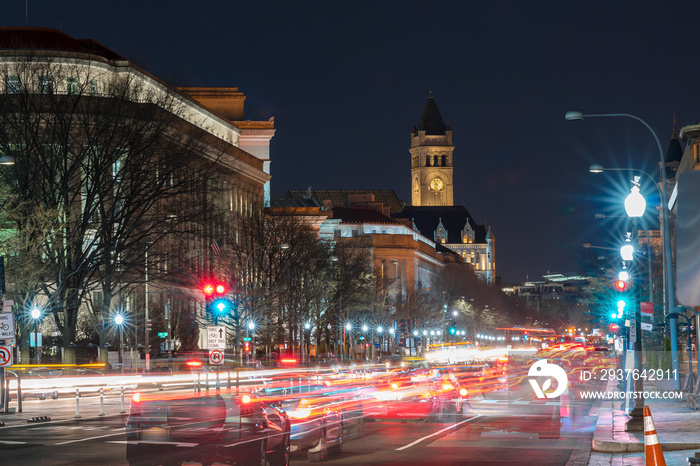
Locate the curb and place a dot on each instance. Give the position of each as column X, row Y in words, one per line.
column 609, row 446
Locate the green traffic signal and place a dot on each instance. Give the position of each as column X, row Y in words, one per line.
column 221, row 306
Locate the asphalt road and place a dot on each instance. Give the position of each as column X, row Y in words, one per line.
column 497, row 437
column 472, row 441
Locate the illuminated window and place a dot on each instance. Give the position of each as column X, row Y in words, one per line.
column 93, row 87
column 12, row 84
column 45, row 84
column 72, row 86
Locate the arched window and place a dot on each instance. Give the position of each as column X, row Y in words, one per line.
column 435, row 161
column 444, row 160
column 427, row 160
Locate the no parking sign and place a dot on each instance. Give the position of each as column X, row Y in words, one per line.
column 216, row 357
column 5, row 356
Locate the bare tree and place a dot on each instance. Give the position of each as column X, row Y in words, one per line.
column 110, row 155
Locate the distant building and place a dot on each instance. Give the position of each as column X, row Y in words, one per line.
column 553, row 287
column 433, row 212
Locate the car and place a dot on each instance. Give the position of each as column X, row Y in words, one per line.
column 416, row 395
column 317, row 418
column 277, row 360
column 226, row 428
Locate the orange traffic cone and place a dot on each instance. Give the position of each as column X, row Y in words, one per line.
column 652, row 448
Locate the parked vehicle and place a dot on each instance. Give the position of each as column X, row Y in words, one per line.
column 169, row 429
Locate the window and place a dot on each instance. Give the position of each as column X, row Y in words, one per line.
column 45, row 84
column 72, row 86
column 12, row 84
column 93, row 87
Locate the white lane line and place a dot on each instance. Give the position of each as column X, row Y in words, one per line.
column 439, row 432
column 122, row 431
column 10, row 442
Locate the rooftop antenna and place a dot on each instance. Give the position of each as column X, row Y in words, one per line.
column 26, row 13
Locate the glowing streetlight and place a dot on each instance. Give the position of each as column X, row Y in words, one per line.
column 119, row 320
column 36, row 315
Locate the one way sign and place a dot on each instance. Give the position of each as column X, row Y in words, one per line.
column 216, row 338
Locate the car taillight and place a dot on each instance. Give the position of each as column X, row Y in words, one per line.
column 136, row 398
column 394, row 386
column 448, row 386
column 245, row 399
column 288, row 361
column 463, row 392
column 193, row 363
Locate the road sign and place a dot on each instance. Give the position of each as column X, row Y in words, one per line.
column 5, row 356
column 216, row 338
column 7, row 326
column 633, row 331
column 216, row 356
column 646, row 309
column 162, row 334
column 647, row 327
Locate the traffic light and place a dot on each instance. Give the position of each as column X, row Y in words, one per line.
column 402, row 327
column 622, row 286
column 215, row 299
column 453, row 329
column 246, row 347
column 149, row 325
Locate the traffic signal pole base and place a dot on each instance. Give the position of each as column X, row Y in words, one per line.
column 636, row 421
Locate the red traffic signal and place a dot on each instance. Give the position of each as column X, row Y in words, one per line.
column 214, row 289
column 614, row 328
column 621, row 285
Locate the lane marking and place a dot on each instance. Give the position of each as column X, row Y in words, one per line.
column 153, row 442
column 122, row 432
column 10, row 442
column 439, row 432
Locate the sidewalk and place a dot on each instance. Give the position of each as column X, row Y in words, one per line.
column 677, row 426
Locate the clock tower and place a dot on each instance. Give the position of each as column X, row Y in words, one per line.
column 431, row 159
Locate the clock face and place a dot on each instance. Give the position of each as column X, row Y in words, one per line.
column 436, row 184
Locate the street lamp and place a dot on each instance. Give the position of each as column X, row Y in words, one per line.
column 36, row 315
column 119, row 321
column 307, row 340
column 666, row 233
column 635, row 206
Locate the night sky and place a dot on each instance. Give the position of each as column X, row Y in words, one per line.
column 346, row 81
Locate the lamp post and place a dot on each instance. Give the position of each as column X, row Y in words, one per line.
column 307, row 341
column 666, row 234
column 36, row 315
column 635, row 206
column 251, row 329
column 348, row 328
column 364, row 339
column 119, row 320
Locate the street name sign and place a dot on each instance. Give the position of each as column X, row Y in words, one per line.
column 216, row 338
